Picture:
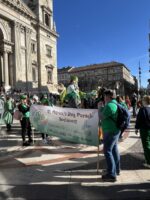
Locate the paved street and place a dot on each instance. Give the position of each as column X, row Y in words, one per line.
column 68, row 171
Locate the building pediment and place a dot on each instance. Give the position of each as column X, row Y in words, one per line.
column 20, row 6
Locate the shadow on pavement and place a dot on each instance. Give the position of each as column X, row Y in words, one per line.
column 77, row 192
column 77, row 179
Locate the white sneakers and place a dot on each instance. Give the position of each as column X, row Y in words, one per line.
column 47, row 141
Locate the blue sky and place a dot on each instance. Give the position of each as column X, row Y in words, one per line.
column 97, row 31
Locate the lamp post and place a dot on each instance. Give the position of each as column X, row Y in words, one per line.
column 140, row 76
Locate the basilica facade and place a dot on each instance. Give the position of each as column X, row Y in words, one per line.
column 28, row 46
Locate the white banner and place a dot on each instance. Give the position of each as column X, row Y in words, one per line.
column 70, row 124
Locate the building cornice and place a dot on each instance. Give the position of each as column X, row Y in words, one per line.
column 98, row 66
column 8, row 42
column 19, row 6
column 47, row 9
column 53, row 32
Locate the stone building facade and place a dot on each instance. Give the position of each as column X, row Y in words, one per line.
column 112, row 75
column 28, row 45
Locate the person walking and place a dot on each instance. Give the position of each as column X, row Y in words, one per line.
column 134, row 104
column 8, row 112
column 121, row 101
column 143, row 124
column 128, row 102
column 110, row 136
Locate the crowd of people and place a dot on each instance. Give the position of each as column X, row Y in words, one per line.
column 18, row 106
column 105, row 100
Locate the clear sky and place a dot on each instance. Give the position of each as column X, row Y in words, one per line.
column 97, row 31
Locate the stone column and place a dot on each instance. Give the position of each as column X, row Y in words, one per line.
column 1, row 71
column 6, row 75
column 17, row 54
column 28, row 58
column 2, row 65
column 10, row 69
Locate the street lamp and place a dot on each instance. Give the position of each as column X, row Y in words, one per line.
column 140, row 76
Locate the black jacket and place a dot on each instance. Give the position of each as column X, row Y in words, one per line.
column 143, row 118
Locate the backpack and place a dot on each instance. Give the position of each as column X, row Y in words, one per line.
column 123, row 118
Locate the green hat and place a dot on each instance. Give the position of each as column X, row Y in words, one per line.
column 23, row 97
column 74, row 78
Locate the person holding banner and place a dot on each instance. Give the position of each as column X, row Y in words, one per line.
column 110, row 136
column 45, row 102
column 24, row 108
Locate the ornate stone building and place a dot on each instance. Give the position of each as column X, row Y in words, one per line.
column 28, row 38
column 112, row 75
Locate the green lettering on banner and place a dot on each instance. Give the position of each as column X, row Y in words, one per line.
column 75, row 125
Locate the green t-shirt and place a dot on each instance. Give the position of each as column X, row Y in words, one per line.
column 24, row 109
column 109, row 111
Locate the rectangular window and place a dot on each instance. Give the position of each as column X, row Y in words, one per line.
column 48, row 51
column 49, row 76
column 22, row 38
column 47, row 20
column 34, row 74
column 33, row 47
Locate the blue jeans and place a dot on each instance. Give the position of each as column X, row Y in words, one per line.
column 111, row 153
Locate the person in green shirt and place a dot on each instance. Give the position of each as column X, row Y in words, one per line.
column 24, row 108
column 110, row 135
column 72, row 93
column 8, row 113
column 45, row 100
